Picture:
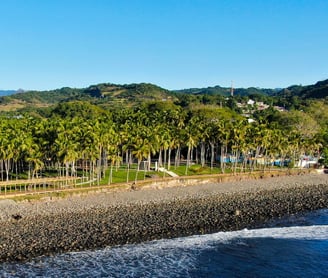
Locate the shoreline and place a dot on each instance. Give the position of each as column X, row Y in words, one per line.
column 114, row 218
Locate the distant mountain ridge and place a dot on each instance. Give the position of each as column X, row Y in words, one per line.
column 100, row 93
column 108, row 94
column 225, row 91
column 318, row 90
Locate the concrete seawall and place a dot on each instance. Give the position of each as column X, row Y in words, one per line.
column 30, row 230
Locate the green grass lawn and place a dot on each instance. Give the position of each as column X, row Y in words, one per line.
column 195, row 170
column 121, row 175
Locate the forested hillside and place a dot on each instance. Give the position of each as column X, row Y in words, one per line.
column 113, row 96
column 318, row 90
column 224, row 91
column 101, row 93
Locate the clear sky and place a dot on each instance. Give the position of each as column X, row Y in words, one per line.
column 176, row 44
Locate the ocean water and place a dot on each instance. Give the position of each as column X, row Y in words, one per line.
column 296, row 246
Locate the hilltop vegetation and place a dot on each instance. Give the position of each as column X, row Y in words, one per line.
column 111, row 96
column 224, row 91
column 105, row 94
column 316, row 91
column 298, row 96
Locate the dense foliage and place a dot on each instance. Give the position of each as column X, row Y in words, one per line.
column 224, row 91
column 88, row 131
column 85, row 136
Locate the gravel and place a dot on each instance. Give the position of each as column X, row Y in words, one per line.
column 30, row 229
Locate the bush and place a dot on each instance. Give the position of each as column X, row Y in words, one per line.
column 291, row 164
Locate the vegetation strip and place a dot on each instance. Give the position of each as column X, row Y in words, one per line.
column 88, row 138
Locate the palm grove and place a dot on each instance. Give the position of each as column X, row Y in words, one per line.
column 81, row 139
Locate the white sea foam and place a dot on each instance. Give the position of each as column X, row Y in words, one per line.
column 315, row 232
column 162, row 258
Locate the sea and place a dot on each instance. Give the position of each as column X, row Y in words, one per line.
column 294, row 246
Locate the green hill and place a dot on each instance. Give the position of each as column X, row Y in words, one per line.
column 104, row 94
column 316, row 91
column 225, row 91
column 110, row 95
column 142, row 91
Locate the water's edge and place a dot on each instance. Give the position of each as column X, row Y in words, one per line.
column 33, row 235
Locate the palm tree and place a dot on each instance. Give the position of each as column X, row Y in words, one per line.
column 191, row 139
column 140, row 151
column 224, row 128
column 238, row 141
column 7, row 145
column 112, row 148
column 68, row 144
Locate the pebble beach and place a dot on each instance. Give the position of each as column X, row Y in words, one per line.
column 96, row 220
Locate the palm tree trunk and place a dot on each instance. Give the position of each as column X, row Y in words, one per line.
column 265, row 160
column 16, row 169
column 165, row 154
column 110, row 176
column 118, row 161
column 196, row 155
column 127, row 157
column 130, row 158
column 127, row 172
column 105, row 163
column 202, row 153
column 212, row 154
column 91, row 170
column 1, row 168
column 237, row 154
column 7, row 166
column 67, row 171
column 169, row 159
column 137, row 172
column 188, row 160
column 256, row 157
column 177, row 158
column 160, row 158
column 222, row 159
column 149, row 161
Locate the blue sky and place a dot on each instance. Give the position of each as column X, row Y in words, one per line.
column 176, row 44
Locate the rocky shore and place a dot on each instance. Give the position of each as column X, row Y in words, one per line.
column 30, row 229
